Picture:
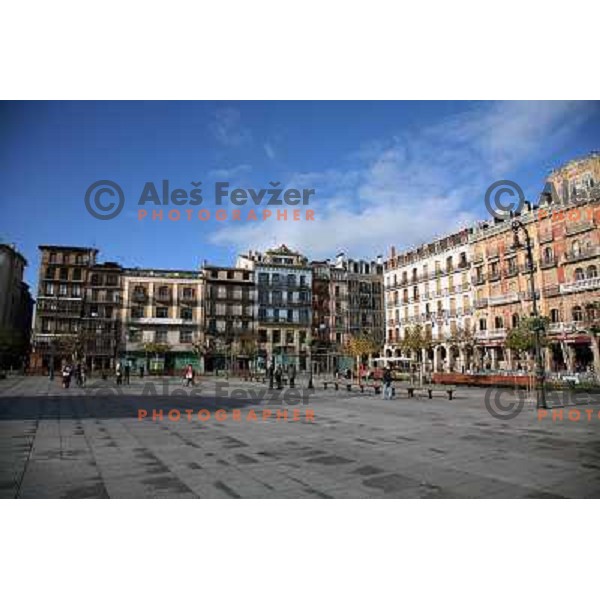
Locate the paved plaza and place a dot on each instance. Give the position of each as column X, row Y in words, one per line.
column 97, row 443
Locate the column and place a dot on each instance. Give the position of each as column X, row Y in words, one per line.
column 436, row 359
column 494, row 355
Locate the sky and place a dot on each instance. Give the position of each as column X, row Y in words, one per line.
column 384, row 173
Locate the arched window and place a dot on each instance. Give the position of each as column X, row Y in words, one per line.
column 548, row 254
column 555, row 315
column 592, row 272
column 515, row 320
column 579, row 274
column 576, row 248
column 498, row 323
column 577, row 314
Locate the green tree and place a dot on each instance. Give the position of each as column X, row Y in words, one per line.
column 359, row 346
column 522, row 338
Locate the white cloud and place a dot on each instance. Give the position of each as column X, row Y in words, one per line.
column 227, row 128
column 415, row 186
column 269, row 150
column 230, row 172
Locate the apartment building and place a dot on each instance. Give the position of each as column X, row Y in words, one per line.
column 348, row 302
column 430, row 287
column 283, row 280
column 565, row 274
column 16, row 308
column 162, row 316
column 63, row 277
column 229, row 320
column 101, row 318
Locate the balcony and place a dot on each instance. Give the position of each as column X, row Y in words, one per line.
column 164, row 298
column 158, row 321
column 511, row 271
column 579, row 226
column 478, row 279
column 527, row 268
column 548, row 262
column 189, row 300
column 505, row 299
column 581, row 285
column 478, row 258
column 546, row 236
column 582, row 254
column 482, row 303
column 491, row 334
column 494, row 276
column 139, row 297
column 551, row 291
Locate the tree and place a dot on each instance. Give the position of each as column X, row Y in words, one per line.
column 522, row 338
column 415, row 340
column 358, row 346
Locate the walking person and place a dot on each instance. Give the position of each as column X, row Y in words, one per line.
column 278, row 375
column 66, row 376
column 387, row 384
column 119, row 373
column 189, row 375
column 292, row 375
column 127, row 372
column 141, row 371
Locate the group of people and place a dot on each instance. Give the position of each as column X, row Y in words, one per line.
column 79, row 371
column 277, row 374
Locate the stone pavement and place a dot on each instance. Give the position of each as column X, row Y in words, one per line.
column 91, row 443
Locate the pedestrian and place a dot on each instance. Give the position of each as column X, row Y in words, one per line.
column 189, row 375
column 292, row 375
column 278, row 375
column 78, row 375
column 387, row 384
column 127, row 372
column 141, row 371
column 83, row 375
column 66, row 376
column 119, row 373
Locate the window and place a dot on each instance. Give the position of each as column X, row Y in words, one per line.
column 498, row 323
column 579, row 274
column 577, row 314
column 185, row 336
column 186, row 314
column 137, row 312
column 576, row 248
column 302, row 337
column 160, row 336
column 163, row 291
column 482, row 325
column 276, row 336
column 95, row 279
column 592, row 272
column 262, row 336
column 77, row 274
column 555, row 315
column 289, row 338
column 162, row 312
column 515, row 320
column 291, row 280
column 302, row 280
column 548, row 254
column 64, row 273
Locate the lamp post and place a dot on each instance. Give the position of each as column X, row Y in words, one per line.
column 540, row 373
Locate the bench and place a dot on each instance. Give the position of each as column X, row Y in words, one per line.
column 376, row 387
column 430, row 391
column 335, row 384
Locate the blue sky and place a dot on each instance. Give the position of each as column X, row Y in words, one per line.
column 384, row 172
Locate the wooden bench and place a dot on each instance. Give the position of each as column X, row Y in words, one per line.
column 335, row 384
column 430, row 390
column 376, row 387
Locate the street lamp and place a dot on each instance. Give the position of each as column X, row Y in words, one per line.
column 540, row 373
